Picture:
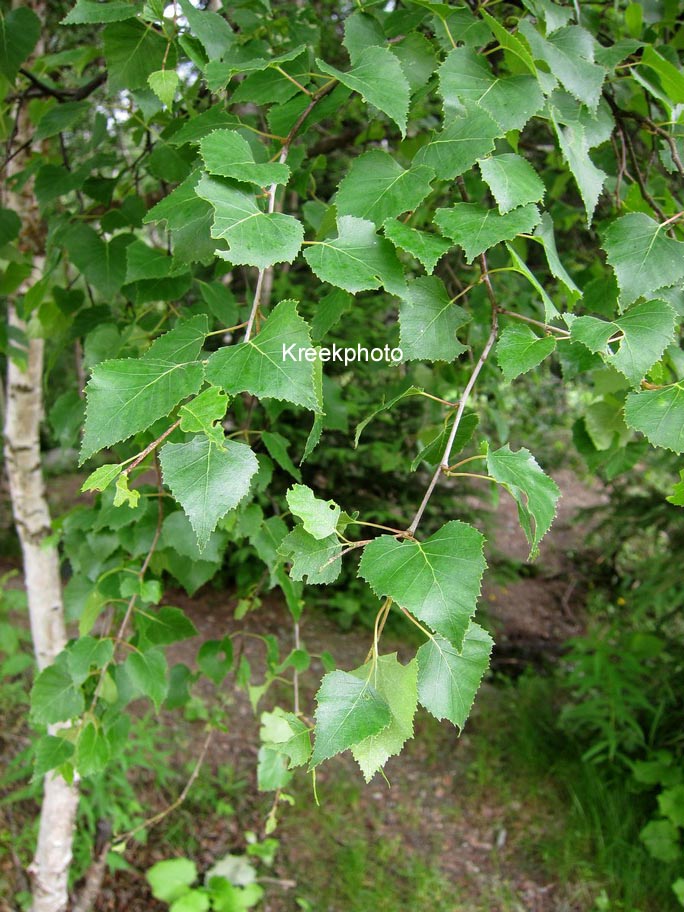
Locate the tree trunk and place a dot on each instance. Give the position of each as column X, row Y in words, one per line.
column 23, row 415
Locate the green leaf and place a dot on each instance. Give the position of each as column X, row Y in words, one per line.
column 19, row 34
column 92, row 750
column 10, row 226
column 466, row 80
column 171, row 879
column 215, row 659
column 349, row 711
column 201, row 413
column 426, row 248
column 459, row 145
column 385, row 405
column 550, row 310
column 592, row 333
column 361, row 31
column 86, row 653
column 569, row 54
column 133, row 51
column 512, row 180
column 319, row 517
column 286, row 733
column 88, row 12
column 509, row 42
column 643, row 257
column 544, row 233
column 429, row 321
column 127, row 396
column 448, row 678
column 213, row 31
column 648, row 330
column 519, row 350
column 101, row 478
column 661, row 838
column 574, row 145
column 255, row 237
column 316, row 559
column 54, row 696
column 50, row 752
column 357, row 259
column 263, row 366
column 228, row 154
column 437, row 580
column 398, row 685
column 167, row 625
column 60, row 118
column 164, row 84
column 207, row 480
column 376, row 187
column 124, row 495
column 147, row 672
column 476, row 229
column 277, row 448
column 377, row 76
column 677, row 496
column 189, row 218
column 103, row 263
column 671, row 78
column 671, row 804
column 534, row 492
column 432, row 453
column 659, row 416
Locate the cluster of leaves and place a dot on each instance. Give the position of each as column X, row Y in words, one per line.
column 468, row 121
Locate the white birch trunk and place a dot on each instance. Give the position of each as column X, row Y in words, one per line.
column 23, row 415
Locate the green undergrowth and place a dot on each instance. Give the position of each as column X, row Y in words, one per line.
column 589, row 815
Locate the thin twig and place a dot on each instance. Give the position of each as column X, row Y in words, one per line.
column 546, row 326
column 152, row 446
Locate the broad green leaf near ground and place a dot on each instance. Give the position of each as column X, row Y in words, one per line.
column 377, row 76
column 398, row 685
column 349, row 710
column 260, row 366
column 519, row 349
column 476, row 229
column 255, row 237
column 448, row 678
column 357, row 259
column 377, row 188
column 535, row 493
column 207, row 479
column 644, row 258
column 429, row 321
column 437, row 580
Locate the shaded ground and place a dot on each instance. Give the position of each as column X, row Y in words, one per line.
column 444, row 836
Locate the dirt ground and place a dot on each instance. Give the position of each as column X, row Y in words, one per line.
column 482, row 844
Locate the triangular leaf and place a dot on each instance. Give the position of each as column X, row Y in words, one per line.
column 512, row 180
column 228, row 154
column 437, row 580
column 448, row 678
column 319, row 517
column 263, row 366
column 207, row 480
column 426, row 248
column 377, row 76
column 476, row 229
column 429, row 321
column 349, row 711
column 459, row 145
column 659, row 415
column 398, row 684
column 376, row 187
column 519, row 350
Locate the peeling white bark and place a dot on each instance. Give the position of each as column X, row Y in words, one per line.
column 23, row 415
